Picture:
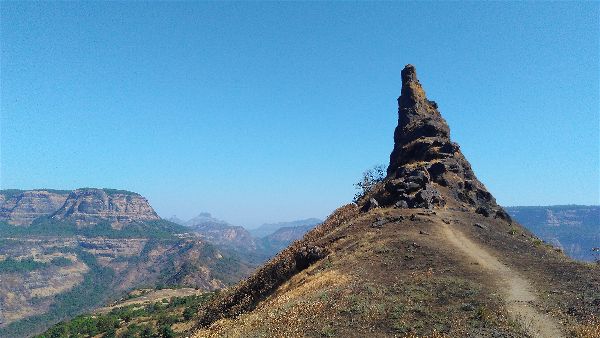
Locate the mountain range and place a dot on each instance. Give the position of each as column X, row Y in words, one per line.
column 66, row 252
column 573, row 228
column 89, row 246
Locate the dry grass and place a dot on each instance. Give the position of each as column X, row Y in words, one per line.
column 392, row 280
column 588, row 329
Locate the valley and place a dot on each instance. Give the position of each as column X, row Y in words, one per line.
column 60, row 260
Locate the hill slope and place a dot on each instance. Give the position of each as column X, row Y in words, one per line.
column 427, row 251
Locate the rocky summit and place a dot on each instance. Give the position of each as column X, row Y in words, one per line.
column 20, row 208
column 91, row 206
column 426, row 168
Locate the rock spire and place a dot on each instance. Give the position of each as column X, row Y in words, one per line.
column 426, row 168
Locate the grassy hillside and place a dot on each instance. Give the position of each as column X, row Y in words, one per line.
column 406, row 272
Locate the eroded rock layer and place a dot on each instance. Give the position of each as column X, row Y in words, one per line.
column 91, row 206
column 22, row 207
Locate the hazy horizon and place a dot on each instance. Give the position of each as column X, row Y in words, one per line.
column 266, row 112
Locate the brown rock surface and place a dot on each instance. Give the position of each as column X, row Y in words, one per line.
column 91, row 206
column 21, row 208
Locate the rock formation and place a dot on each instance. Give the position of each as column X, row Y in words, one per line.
column 22, row 207
column 426, row 168
column 91, row 206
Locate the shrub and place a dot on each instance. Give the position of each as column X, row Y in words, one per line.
column 189, row 313
column 166, row 332
column 369, row 179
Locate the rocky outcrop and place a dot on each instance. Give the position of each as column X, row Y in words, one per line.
column 222, row 233
column 426, row 168
column 92, row 206
column 22, row 207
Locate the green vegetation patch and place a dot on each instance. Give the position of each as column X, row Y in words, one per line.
column 20, row 265
column 49, row 227
column 29, row 264
column 9, row 193
column 153, row 320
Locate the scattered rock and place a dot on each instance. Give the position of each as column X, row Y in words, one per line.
column 483, row 211
column 401, row 204
column 481, row 226
column 424, row 232
column 467, row 307
column 379, row 222
column 502, row 214
column 370, row 205
column 307, row 256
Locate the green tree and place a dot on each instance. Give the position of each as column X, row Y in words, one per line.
column 189, row 313
column 166, row 332
column 369, row 179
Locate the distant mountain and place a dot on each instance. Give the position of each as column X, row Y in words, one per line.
column 573, row 228
column 220, row 232
column 269, row 228
column 175, row 220
column 280, row 239
column 91, row 206
column 204, row 218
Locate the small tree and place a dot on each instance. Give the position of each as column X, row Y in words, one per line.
column 189, row 313
column 369, row 179
column 166, row 332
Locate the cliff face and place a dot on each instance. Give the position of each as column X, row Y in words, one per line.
column 22, row 207
column 92, row 206
column 426, row 168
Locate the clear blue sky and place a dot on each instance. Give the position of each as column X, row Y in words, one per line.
column 261, row 112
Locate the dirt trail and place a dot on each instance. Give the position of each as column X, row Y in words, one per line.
column 517, row 290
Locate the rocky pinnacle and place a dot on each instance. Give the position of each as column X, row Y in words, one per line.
column 426, row 168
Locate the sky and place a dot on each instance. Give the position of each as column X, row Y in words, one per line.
column 263, row 112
